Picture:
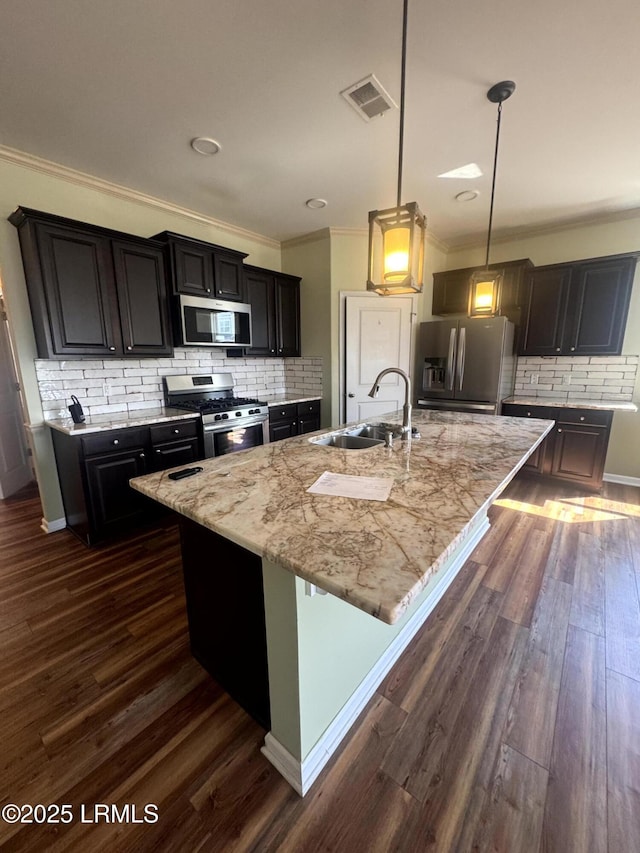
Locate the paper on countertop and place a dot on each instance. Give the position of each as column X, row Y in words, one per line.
column 350, row 486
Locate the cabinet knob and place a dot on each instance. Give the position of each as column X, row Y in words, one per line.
column 272, row 350
column 573, row 349
column 581, row 417
column 158, row 451
column 528, row 414
column 142, row 456
column 112, row 349
column 176, row 431
column 208, row 290
column 351, row 395
column 116, row 441
column 559, row 430
column 129, row 348
column 557, row 349
column 280, row 350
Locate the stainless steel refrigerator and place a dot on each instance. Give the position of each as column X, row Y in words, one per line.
column 465, row 365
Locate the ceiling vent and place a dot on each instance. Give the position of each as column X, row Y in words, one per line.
column 369, row 98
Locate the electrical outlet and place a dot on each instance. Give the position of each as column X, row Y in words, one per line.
column 566, row 379
column 534, row 378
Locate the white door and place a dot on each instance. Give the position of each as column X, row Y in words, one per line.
column 15, row 468
column 378, row 335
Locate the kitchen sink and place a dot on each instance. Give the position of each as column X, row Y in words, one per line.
column 359, row 437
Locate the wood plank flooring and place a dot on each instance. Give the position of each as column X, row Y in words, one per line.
column 511, row 723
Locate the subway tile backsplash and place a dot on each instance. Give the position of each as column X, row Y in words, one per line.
column 601, row 377
column 121, row 385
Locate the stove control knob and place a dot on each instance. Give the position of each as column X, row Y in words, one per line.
column 224, row 417
column 217, row 417
column 238, row 414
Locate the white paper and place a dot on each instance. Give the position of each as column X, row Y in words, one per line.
column 350, row 486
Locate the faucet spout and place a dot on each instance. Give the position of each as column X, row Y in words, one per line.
column 406, row 409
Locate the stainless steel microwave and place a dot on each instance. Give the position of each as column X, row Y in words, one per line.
column 214, row 323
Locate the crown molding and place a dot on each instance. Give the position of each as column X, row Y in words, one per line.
column 82, row 179
column 611, row 217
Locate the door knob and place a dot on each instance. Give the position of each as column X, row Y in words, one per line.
column 351, row 395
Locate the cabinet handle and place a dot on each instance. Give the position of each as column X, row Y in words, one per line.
column 116, row 441
column 112, row 349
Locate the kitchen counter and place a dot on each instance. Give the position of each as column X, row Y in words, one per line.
column 285, row 399
column 119, row 420
column 378, row 556
column 603, row 405
column 257, row 549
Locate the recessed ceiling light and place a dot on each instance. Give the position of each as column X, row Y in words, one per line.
column 205, row 145
column 467, row 195
column 471, row 170
column 316, row 203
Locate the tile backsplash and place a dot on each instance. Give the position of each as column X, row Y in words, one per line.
column 602, row 377
column 121, row 385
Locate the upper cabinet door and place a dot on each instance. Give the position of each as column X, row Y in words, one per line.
column 193, row 270
column 597, row 307
column 544, row 318
column 74, row 294
column 261, row 296
column 228, row 277
column 142, row 297
column 451, row 292
column 288, row 316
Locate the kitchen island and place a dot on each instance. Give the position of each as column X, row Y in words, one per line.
column 385, row 564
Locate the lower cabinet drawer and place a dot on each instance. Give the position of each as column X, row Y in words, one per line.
column 283, row 413
column 114, row 440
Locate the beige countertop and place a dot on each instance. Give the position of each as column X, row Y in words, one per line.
column 603, row 405
column 119, row 420
column 285, row 399
column 378, row 556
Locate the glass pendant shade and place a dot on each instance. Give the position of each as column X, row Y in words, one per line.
column 484, row 295
column 396, row 250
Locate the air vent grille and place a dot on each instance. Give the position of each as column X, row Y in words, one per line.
column 369, row 98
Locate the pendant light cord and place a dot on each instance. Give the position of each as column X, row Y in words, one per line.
column 493, row 185
column 402, row 81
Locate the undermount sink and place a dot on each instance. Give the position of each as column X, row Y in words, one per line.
column 357, row 438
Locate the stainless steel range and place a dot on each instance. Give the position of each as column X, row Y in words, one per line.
column 229, row 423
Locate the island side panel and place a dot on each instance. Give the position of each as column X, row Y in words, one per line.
column 225, row 607
column 326, row 658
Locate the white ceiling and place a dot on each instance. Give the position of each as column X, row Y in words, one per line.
column 118, row 88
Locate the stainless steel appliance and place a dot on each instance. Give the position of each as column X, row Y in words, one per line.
column 229, row 423
column 213, row 322
column 465, row 365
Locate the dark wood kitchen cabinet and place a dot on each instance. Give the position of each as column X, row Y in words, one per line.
column 275, row 313
column 578, row 308
column 94, row 472
column 576, row 448
column 93, row 292
column 204, row 269
column 451, row 289
column 293, row 419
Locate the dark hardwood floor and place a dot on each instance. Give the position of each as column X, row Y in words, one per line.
column 511, row 723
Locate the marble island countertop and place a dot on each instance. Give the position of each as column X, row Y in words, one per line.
column 572, row 403
column 378, row 556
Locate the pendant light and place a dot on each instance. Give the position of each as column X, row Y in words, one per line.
column 484, row 293
column 397, row 234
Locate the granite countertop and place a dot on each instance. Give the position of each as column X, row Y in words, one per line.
column 284, row 399
column 603, row 405
column 378, row 556
column 119, row 420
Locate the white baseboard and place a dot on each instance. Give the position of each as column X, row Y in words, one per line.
column 623, row 481
column 53, row 526
column 302, row 774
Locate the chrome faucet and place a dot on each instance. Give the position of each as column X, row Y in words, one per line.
column 406, row 409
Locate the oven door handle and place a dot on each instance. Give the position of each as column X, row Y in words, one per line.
column 227, row 426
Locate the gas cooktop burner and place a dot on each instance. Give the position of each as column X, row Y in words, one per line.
column 217, row 405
